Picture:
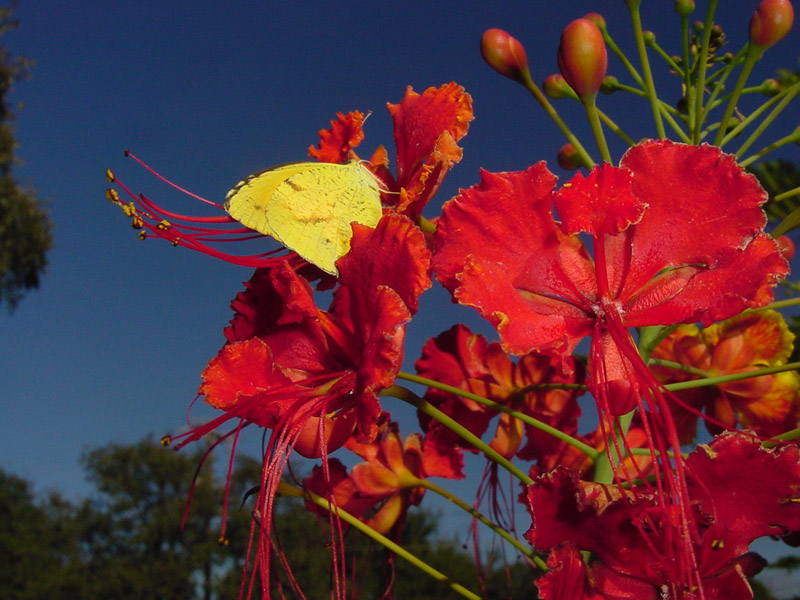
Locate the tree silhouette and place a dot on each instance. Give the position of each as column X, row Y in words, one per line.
column 25, row 230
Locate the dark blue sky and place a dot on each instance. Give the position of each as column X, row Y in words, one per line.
column 112, row 345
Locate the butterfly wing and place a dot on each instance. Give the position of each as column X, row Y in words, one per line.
column 311, row 210
column 308, row 207
column 247, row 201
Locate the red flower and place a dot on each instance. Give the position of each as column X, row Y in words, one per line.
column 676, row 236
column 389, row 476
column 769, row 405
column 467, row 361
column 739, row 492
column 427, row 128
column 288, row 363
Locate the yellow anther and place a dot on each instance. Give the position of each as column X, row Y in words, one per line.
column 222, row 541
column 142, row 234
column 113, row 196
column 176, row 242
column 166, row 441
column 136, row 222
column 717, row 544
column 164, row 225
column 110, row 175
column 129, row 209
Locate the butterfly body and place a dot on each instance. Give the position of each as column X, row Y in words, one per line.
column 309, row 207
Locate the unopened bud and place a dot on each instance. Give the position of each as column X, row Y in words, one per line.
column 568, row 158
column 597, row 19
column 555, row 86
column 770, row 87
column 649, row 37
column 582, row 57
column 684, row 7
column 504, row 54
column 610, row 84
column 771, row 22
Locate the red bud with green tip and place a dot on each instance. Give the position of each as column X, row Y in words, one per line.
column 771, row 22
column 582, row 57
column 568, row 158
column 555, row 86
column 504, row 54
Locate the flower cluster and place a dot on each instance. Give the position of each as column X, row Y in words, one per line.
column 658, row 266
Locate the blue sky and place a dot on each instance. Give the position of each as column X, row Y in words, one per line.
column 112, row 345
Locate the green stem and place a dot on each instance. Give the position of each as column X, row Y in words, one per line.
column 766, row 123
column 750, row 118
column 677, row 366
column 696, row 383
column 687, row 72
column 702, row 61
column 429, row 409
column 621, row 57
column 665, row 112
column 592, row 453
column 781, row 304
column 286, row 489
column 668, row 59
column 783, row 437
column 749, row 61
column 722, row 74
column 787, row 194
column 597, row 127
column 523, row 548
column 649, row 86
column 553, row 114
column 615, row 128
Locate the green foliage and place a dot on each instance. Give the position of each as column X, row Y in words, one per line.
column 25, row 229
column 133, row 527
column 35, row 540
column 776, row 177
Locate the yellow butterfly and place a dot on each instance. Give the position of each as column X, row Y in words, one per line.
column 308, row 207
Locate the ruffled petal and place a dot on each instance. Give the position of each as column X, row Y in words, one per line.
column 427, row 128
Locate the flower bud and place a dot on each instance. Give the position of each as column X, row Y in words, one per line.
column 582, row 57
column 649, row 37
column 610, row 84
column 504, row 54
column 597, row 19
column 555, row 86
column 684, row 7
column 568, row 158
column 771, row 22
column 770, row 87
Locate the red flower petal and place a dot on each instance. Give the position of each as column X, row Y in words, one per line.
column 336, row 143
column 600, row 204
column 497, row 248
column 427, row 128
